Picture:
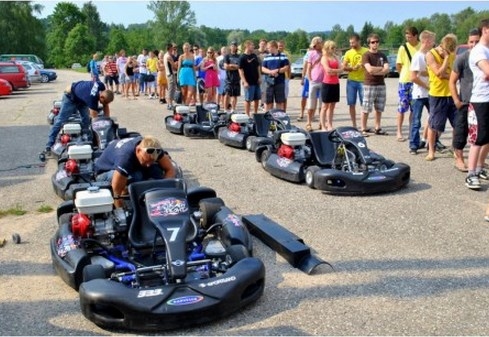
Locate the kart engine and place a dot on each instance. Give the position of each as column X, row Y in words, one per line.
column 346, row 160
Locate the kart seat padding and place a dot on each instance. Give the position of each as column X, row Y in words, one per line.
column 323, row 148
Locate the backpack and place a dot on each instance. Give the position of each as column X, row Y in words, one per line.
column 88, row 67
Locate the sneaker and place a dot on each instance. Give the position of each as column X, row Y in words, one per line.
column 440, row 147
column 473, row 182
column 422, row 145
column 413, row 151
column 483, row 174
column 163, row 100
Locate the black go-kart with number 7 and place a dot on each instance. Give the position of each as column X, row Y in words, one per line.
column 206, row 122
column 170, row 258
column 336, row 162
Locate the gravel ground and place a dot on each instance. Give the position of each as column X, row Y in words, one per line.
column 414, row 262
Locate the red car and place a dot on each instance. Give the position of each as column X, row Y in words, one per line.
column 5, row 88
column 15, row 74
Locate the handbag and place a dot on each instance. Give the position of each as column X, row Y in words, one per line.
column 150, row 78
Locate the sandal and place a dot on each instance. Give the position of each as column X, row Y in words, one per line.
column 309, row 127
column 300, row 118
column 380, row 132
column 365, row 133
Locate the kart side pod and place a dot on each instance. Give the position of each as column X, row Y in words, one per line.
column 284, row 242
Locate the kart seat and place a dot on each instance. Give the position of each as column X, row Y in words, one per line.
column 323, row 148
column 202, row 115
column 141, row 231
column 262, row 124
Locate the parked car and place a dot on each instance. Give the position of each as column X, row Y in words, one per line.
column 392, row 66
column 47, row 75
column 296, row 68
column 32, row 69
column 76, row 66
column 5, row 88
column 15, row 74
column 22, row 57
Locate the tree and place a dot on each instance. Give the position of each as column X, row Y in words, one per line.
column 173, row 20
column 96, row 28
column 79, row 45
column 20, row 31
column 117, row 41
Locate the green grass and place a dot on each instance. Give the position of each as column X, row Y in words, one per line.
column 17, row 210
column 45, row 209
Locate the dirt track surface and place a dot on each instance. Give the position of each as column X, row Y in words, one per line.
column 414, row 262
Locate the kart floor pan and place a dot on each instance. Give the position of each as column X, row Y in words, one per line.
column 284, row 242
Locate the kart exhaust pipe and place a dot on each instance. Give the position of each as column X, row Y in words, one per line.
column 284, row 242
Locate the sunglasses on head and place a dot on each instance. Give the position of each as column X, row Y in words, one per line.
column 153, row 150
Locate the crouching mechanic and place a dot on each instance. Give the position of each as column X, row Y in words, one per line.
column 82, row 96
column 130, row 160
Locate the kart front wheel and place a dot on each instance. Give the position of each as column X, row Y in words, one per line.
column 310, row 172
column 249, row 142
column 93, row 272
column 264, row 157
column 208, row 209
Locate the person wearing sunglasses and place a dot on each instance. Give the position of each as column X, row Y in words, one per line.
column 128, row 160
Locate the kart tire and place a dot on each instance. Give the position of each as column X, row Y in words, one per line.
column 237, row 253
column 209, row 208
column 249, row 142
column 264, row 157
column 309, row 178
column 387, row 164
column 93, row 272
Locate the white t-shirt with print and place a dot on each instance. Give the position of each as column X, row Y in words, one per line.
column 480, row 86
column 418, row 63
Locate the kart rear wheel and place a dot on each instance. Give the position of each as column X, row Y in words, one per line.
column 93, row 272
column 249, row 142
column 310, row 172
column 237, row 253
column 264, row 157
column 209, row 208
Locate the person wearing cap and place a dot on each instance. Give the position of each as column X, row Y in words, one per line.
column 233, row 86
column 128, row 160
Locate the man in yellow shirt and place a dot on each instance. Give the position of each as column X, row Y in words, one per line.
column 152, row 66
column 352, row 63
column 405, row 88
column 440, row 62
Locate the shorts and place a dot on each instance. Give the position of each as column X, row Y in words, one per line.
column 286, row 88
column 374, row 98
column 478, row 119
column 252, row 93
column 461, row 128
column 441, row 109
column 232, row 89
column 114, row 79
column 122, row 78
column 405, row 91
column 275, row 93
column 130, row 79
column 330, row 93
column 314, row 93
column 221, row 89
column 354, row 89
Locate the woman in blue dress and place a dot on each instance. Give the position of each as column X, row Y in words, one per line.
column 186, row 74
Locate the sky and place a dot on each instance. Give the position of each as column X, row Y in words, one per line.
column 310, row 16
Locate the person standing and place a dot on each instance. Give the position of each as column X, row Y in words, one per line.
column 84, row 97
column 281, row 49
column 315, row 76
column 405, row 87
column 221, row 93
column 440, row 61
column 250, row 74
column 211, row 77
column 186, row 74
column 143, row 71
column 275, row 65
column 121, row 69
column 170, row 69
column 419, row 78
column 376, row 67
column 130, row 81
column 94, row 71
column 262, row 52
column 352, row 63
column 233, row 87
column 462, row 74
column 330, row 88
column 479, row 130
column 161, row 80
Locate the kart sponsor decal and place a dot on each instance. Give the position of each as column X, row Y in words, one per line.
column 278, row 114
column 185, row 300
column 173, row 122
column 168, row 207
column 61, row 174
column 376, row 178
column 150, row 293
column 234, row 219
column 66, row 244
column 351, row 134
column 361, row 144
column 217, row 282
column 178, row 263
column 57, row 146
column 284, row 162
column 101, row 124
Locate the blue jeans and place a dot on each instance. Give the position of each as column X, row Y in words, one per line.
column 417, row 106
column 354, row 89
column 68, row 108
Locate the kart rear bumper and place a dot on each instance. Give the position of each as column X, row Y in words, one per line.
column 173, row 126
column 284, row 168
column 111, row 304
column 339, row 182
column 198, row 131
column 234, row 139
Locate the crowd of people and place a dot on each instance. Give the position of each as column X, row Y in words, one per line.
column 431, row 78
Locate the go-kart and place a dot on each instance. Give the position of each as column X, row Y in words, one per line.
column 264, row 126
column 206, row 122
column 170, row 258
column 237, row 130
column 54, row 112
column 71, row 132
column 336, row 162
column 105, row 130
column 181, row 115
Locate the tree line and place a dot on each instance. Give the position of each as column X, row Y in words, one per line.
column 72, row 34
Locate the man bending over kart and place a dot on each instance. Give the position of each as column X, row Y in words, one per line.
column 132, row 159
column 82, row 96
